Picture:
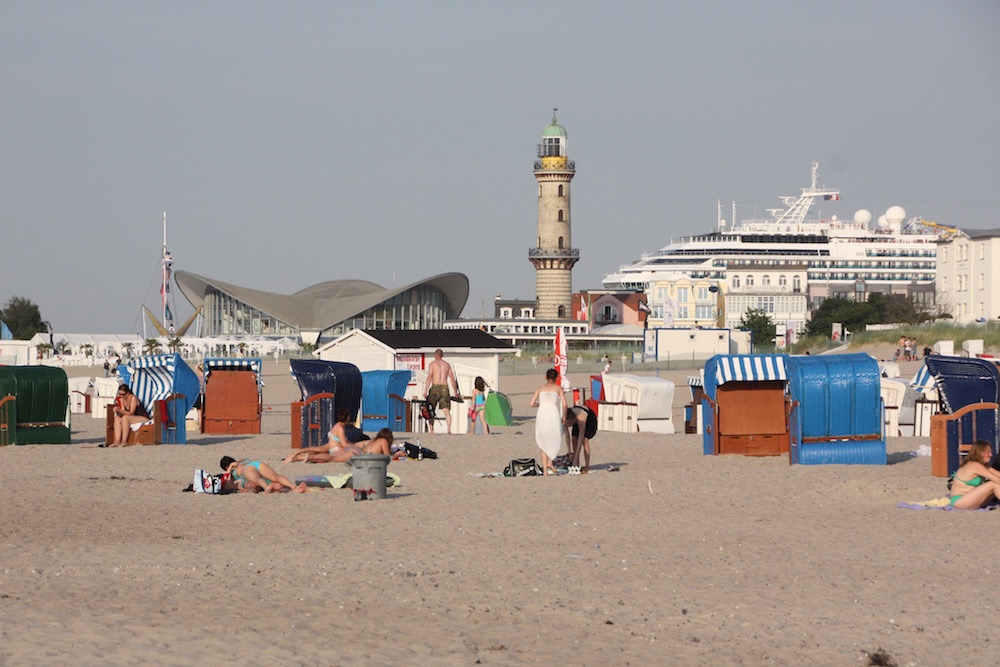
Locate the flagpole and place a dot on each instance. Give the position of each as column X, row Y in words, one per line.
column 163, row 273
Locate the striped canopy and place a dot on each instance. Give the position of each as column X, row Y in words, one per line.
column 694, row 381
column 252, row 364
column 749, row 368
column 157, row 377
column 923, row 381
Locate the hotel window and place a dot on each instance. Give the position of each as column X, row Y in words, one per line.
column 982, row 281
column 560, row 238
column 982, row 251
column 944, row 254
column 560, row 191
column 749, row 281
column 782, row 281
column 766, row 281
column 561, row 216
column 682, row 294
column 702, row 293
column 944, row 283
column 736, row 281
column 796, row 284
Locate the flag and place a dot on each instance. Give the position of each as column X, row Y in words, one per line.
column 584, row 308
column 5, row 332
column 831, row 197
column 644, row 307
column 562, row 363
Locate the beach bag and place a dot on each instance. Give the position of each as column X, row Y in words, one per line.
column 414, row 452
column 522, row 468
column 427, row 411
column 206, row 483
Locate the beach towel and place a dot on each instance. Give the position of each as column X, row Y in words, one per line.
column 942, row 504
column 340, row 481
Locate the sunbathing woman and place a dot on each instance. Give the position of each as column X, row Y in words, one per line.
column 380, row 444
column 128, row 410
column 255, row 476
column 975, row 483
column 336, row 441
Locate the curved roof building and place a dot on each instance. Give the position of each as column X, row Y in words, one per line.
column 330, row 308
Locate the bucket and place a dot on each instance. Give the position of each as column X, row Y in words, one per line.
column 368, row 471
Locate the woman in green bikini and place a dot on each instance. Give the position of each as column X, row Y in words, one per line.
column 325, row 453
column 975, row 483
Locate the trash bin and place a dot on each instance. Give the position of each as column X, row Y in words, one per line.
column 368, row 471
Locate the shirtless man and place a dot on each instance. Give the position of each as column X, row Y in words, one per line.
column 439, row 374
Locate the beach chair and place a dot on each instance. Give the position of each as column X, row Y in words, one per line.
column 326, row 386
column 382, row 404
column 952, row 435
column 893, row 392
column 312, row 419
column 160, row 428
column 166, row 385
column 232, row 401
column 34, row 405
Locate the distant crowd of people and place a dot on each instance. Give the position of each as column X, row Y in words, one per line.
column 906, row 350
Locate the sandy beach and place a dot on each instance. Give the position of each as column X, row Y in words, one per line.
column 675, row 559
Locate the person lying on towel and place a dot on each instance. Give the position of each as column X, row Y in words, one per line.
column 974, row 483
column 255, row 476
column 380, row 444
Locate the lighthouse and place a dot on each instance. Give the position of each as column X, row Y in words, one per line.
column 554, row 255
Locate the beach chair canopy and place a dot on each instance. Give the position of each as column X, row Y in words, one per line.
column 159, row 376
column 375, row 389
column 38, row 412
column 218, row 363
column 343, row 380
column 923, row 381
column 723, row 368
column 838, row 415
column 962, row 381
column 838, row 394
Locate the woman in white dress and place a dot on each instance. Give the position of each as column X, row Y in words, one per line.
column 551, row 406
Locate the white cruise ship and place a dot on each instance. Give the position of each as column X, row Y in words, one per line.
column 848, row 258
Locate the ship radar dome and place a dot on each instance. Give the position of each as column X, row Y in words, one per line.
column 895, row 215
column 863, row 216
column 882, row 222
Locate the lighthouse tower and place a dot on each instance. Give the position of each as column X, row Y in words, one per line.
column 554, row 256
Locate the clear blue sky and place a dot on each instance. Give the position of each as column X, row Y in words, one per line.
column 296, row 142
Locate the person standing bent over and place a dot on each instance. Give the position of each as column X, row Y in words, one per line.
column 439, row 376
column 581, row 426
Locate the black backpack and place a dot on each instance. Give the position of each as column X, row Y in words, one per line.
column 522, row 468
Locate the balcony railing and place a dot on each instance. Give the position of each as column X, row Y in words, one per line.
column 570, row 166
column 558, row 252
